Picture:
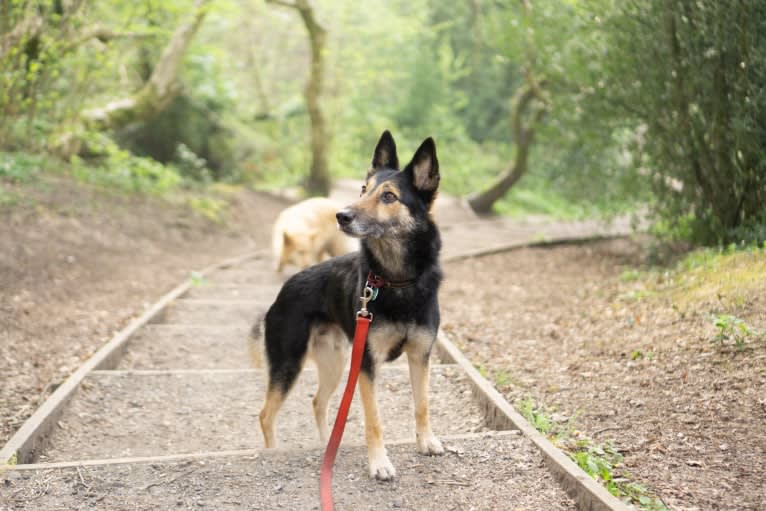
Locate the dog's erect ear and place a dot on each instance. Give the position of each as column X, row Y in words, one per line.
column 384, row 156
column 425, row 167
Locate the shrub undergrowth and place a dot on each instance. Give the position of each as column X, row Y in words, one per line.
column 602, row 461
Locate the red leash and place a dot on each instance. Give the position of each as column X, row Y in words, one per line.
column 363, row 320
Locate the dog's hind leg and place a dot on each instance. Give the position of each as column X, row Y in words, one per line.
column 275, row 396
column 380, row 466
column 278, row 387
column 419, row 365
column 255, row 343
column 328, row 348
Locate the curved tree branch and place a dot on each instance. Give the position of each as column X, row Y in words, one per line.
column 158, row 92
column 529, row 105
column 162, row 86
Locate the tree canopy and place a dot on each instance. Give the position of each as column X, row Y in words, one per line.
column 579, row 107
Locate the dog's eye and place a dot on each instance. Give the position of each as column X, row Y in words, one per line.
column 364, row 190
column 388, row 197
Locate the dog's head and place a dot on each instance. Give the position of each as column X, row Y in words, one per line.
column 394, row 202
column 298, row 250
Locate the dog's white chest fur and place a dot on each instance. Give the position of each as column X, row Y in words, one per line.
column 386, row 337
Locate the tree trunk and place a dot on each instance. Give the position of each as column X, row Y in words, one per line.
column 318, row 182
column 528, row 106
column 528, row 97
column 264, row 107
column 158, row 92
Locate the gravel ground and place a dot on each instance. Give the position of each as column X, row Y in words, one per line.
column 161, row 346
column 489, row 472
column 213, row 312
column 127, row 415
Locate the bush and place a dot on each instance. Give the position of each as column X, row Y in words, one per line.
column 118, row 168
column 691, row 76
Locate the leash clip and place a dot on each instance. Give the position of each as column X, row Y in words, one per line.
column 367, row 297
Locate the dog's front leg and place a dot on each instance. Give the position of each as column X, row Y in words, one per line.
column 380, row 466
column 419, row 364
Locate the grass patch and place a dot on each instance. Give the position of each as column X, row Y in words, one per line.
column 521, row 202
column 719, row 285
column 726, row 277
column 601, row 461
column 8, row 197
column 502, row 378
column 731, row 329
column 112, row 172
column 631, row 275
column 116, row 168
column 197, row 279
column 125, row 172
column 209, row 207
column 21, row 167
column 717, row 274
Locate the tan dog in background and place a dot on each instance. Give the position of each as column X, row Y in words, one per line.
column 307, row 233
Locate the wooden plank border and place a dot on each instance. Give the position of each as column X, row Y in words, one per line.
column 545, row 243
column 586, row 492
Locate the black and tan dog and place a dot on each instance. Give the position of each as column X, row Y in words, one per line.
column 313, row 315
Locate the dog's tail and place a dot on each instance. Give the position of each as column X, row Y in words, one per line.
column 255, row 342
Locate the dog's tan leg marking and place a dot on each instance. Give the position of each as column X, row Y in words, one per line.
column 419, row 377
column 255, row 350
column 274, row 400
column 380, row 466
column 329, row 352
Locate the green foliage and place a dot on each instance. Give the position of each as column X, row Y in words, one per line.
column 537, row 417
column 601, row 461
column 650, row 102
column 191, row 165
column 630, row 275
column 750, row 233
column 578, row 159
column 209, row 207
column 690, row 79
column 502, row 378
column 8, row 197
column 716, row 259
column 20, row 167
column 198, row 279
column 731, row 329
column 118, row 168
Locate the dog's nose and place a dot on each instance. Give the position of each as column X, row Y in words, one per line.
column 344, row 217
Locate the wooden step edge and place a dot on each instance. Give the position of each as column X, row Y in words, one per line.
column 158, row 372
column 446, row 439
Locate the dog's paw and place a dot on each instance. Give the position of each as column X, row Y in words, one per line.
column 381, row 468
column 429, row 445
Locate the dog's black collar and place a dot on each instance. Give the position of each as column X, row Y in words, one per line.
column 377, row 282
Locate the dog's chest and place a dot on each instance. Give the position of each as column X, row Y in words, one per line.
column 386, row 341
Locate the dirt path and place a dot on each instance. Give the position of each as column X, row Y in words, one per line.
column 180, row 433
column 76, row 264
column 73, row 274
column 566, row 330
column 279, row 480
